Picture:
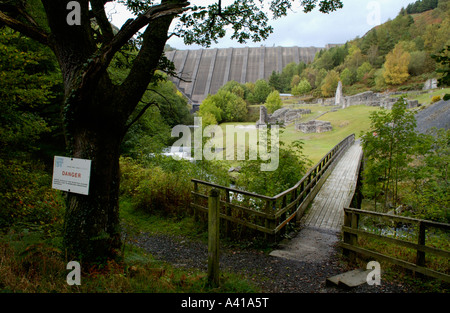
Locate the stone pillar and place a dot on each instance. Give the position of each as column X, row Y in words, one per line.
column 338, row 99
column 263, row 117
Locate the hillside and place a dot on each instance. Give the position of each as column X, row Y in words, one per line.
column 437, row 115
column 394, row 56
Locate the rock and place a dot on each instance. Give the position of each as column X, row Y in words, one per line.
column 235, row 169
column 349, row 279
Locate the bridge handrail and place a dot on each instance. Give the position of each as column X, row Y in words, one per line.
column 279, row 210
column 352, row 230
column 343, row 144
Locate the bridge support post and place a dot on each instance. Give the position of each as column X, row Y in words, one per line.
column 213, row 237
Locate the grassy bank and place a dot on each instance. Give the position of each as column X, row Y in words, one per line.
column 30, row 262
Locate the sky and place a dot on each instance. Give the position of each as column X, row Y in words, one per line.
column 301, row 29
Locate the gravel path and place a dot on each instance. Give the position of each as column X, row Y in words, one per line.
column 271, row 274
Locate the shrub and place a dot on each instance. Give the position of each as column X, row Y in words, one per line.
column 155, row 190
column 225, row 106
column 162, row 192
column 435, row 99
column 26, row 198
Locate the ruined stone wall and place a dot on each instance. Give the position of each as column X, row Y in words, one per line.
column 371, row 98
column 283, row 116
column 314, row 127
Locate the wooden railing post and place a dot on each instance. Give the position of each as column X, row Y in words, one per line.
column 195, row 201
column 213, row 237
column 420, row 259
column 227, row 213
column 269, row 223
column 285, row 215
column 350, row 220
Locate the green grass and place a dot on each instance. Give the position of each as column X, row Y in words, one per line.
column 156, row 224
column 345, row 122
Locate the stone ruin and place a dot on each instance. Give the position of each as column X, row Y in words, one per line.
column 430, row 84
column 314, row 127
column 371, row 98
column 282, row 117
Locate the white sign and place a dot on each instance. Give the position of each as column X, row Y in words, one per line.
column 72, row 175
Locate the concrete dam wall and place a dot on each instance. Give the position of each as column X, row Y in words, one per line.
column 204, row 71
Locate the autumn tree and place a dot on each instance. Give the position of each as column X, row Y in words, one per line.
column 396, row 66
column 98, row 111
column 330, row 83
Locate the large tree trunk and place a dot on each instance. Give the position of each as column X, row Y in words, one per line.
column 92, row 232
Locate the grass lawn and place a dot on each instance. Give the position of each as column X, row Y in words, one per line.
column 345, row 122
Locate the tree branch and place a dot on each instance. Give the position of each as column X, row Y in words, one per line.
column 106, row 53
column 33, row 32
column 98, row 9
column 148, row 105
column 132, row 27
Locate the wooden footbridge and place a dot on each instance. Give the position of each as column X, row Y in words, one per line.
column 318, row 199
column 320, row 203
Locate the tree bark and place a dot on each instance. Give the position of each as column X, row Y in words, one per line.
column 92, row 226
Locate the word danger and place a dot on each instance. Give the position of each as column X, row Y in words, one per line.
column 71, row 174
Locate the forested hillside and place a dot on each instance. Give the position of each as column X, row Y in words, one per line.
column 395, row 55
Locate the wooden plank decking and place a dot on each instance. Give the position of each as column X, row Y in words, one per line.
column 327, row 209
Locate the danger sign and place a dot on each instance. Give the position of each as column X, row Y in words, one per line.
column 71, row 174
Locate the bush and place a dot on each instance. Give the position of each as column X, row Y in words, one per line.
column 435, row 99
column 26, row 197
column 162, row 192
column 155, row 190
column 225, row 106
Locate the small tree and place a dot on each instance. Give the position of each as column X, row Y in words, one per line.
column 262, row 91
column 330, row 84
column 396, row 66
column 347, row 77
column 302, row 88
column 364, row 69
column 273, row 102
column 387, row 148
column 225, row 106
